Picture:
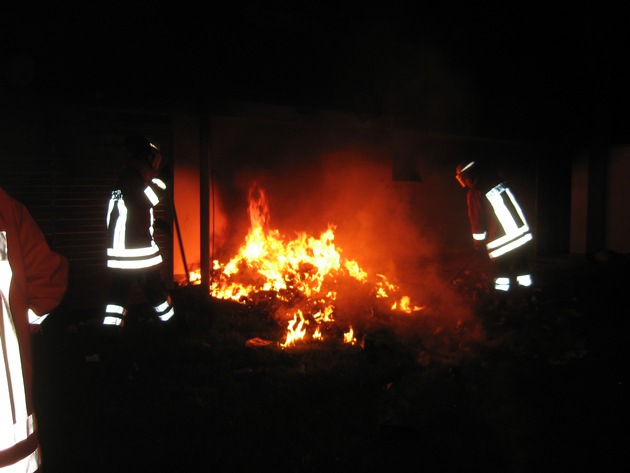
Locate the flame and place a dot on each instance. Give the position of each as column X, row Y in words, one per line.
column 348, row 337
column 317, row 334
column 295, row 329
column 303, row 273
column 404, row 305
column 194, row 277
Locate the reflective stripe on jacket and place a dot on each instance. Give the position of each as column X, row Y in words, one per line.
column 17, row 425
column 513, row 230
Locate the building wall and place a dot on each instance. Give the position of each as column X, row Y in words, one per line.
column 617, row 199
column 600, row 217
column 61, row 163
column 186, row 197
column 387, row 186
column 579, row 204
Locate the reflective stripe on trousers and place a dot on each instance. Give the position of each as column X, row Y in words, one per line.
column 502, row 283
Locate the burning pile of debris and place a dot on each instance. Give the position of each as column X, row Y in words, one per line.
column 305, row 284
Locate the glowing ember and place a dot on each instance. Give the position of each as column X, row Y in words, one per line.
column 304, row 274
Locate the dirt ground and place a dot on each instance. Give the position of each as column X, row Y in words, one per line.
column 533, row 388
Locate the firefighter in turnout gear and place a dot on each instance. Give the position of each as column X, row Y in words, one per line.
column 133, row 255
column 499, row 228
column 33, row 282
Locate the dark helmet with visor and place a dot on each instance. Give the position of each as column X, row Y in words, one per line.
column 144, row 148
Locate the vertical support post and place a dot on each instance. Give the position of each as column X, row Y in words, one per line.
column 204, row 195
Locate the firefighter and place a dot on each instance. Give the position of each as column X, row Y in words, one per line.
column 133, row 255
column 33, row 282
column 500, row 229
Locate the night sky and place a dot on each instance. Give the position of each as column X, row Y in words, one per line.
column 520, row 71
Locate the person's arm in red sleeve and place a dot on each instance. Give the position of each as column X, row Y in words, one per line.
column 46, row 270
column 477, row 218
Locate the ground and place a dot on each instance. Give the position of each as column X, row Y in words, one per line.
column 534, row 387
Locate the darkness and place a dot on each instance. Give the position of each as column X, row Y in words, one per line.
column 539, row 388
column 530, row 72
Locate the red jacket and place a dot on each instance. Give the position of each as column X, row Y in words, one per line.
column 480, row 215
column 33, row 279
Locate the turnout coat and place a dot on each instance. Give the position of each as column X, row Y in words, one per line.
column 130, row 218
column 33, row 281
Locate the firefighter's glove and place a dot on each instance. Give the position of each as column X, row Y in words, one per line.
column 162, row 225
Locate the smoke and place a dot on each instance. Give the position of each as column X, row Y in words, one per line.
column 353, row 191
column 380, row 223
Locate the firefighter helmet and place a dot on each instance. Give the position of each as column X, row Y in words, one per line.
column 140, row 145
column 463, row 169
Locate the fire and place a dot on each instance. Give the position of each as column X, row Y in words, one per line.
column 404, row 305
column 348, row 337
column 304, row 274
column 295, row 330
